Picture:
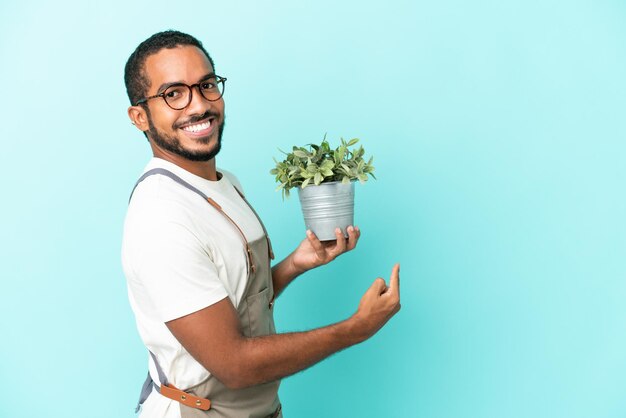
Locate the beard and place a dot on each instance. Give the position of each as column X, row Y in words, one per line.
column 173, row 145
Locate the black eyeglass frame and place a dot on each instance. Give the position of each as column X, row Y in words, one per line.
column 218, row 79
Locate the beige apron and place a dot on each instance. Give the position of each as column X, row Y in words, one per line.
column 211, row 398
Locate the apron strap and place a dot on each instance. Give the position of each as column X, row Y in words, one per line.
column 160, row 372
column 169, row 174
column 166, row 389
column 183, row 183
column 146, row 389
column 269, row 243
column 212, row 202
column 169, row 391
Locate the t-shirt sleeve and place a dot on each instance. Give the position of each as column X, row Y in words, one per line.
column 176, row 270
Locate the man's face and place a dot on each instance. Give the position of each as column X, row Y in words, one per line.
column 195, row 132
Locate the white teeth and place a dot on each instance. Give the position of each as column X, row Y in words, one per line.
column 197, row 127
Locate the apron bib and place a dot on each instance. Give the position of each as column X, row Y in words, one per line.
column 211, row 399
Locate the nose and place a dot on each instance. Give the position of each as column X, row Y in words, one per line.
column 198, row 103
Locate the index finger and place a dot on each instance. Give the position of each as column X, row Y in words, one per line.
column 394, row 282
column 315, row 243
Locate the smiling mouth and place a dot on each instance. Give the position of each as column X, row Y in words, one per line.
column 200, row 128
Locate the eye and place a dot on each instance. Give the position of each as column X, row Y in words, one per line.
column 174, row 93
column 207, row 85
column 170, row 94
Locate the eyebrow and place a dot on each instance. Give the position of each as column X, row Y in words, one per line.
column 165, row 86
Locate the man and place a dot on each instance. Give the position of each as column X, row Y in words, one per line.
column 197, row 258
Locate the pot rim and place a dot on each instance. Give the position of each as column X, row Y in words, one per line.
column 326, row 183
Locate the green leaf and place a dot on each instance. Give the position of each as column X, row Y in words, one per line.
column 300, row 154
column 316, row 163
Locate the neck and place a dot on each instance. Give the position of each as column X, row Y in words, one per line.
column 205, row 169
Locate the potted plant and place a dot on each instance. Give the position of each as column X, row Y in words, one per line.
column 325, row 180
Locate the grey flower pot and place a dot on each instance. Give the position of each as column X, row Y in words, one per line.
column 326, row 207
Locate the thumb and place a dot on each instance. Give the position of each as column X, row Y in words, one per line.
column 379, row 286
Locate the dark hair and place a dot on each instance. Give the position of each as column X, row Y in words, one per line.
column 135, row 78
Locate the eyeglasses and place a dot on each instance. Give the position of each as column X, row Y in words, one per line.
column 178, row 96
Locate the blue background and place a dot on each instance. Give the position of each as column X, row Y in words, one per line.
column 498, row 133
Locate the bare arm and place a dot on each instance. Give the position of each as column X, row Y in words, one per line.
column 311, row 253
column 213, row 337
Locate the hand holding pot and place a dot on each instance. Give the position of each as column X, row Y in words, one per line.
column 313, row 253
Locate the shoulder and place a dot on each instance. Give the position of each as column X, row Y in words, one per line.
column 160, row 208
column 232, row 179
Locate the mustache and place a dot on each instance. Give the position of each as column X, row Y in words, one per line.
column 198, row 118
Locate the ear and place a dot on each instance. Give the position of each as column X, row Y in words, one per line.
column 138, row 117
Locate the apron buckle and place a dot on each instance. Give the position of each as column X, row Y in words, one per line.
column 187, row 399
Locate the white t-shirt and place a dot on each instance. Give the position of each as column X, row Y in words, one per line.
column 181, row 255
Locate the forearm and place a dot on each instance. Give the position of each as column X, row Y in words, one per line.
column 213, row 336
column 269, row 358
column 283, row 273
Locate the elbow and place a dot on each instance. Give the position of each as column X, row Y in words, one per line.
column 235, row 384
column 235, row 374
column 245, row 379
column 234, row 367
column 236, row 378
